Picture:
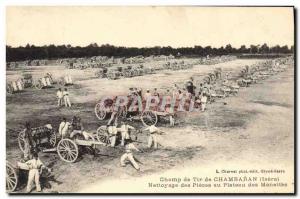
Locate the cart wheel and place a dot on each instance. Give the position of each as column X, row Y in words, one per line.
column 21, row 141
column 67, row 150
column 149, row 118
column 53, row 138
column 11, row 178
column 102, row 135
column 100, row 111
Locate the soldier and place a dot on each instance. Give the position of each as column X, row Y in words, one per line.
column 125, row 132
column 155, row 93
column 147, row 95
column 175, row 91
column 128, row 155
column 66, row 98
column 201, row 88
column 63, row 128
column 35, row 165
column 152, row 140
column 180, row 95
column 168, row 93
column 139, row 92
column 172, row 120
column 112, row 133
column 190, row 86
column 114, row 115
column 77, row 128
column 130, row 92
column 59, row 95
column 203, row 101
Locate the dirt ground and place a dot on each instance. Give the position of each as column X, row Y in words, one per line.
column 257, row 125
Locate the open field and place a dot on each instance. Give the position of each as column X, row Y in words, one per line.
column 256, row 125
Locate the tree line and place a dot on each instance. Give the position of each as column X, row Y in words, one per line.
column 31, row 52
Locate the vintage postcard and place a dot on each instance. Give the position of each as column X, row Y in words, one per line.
column 150, row 99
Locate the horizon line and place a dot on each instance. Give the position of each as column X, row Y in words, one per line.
column 165, row 46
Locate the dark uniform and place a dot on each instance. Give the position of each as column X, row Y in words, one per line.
column 190, row 87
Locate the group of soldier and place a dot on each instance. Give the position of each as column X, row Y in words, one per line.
column 63, row 98
column 70, row 129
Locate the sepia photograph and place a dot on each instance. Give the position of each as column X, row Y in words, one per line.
column 150, row 99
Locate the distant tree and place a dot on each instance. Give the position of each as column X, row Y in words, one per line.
column 275, row 49
column 243, row 49
column 264, row 48
column 253, row 49
column 228, row 49
column 29, row 52
column 207, row 50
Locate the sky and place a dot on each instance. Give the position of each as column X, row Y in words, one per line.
column 149, row 26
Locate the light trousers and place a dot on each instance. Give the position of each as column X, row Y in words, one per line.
column 152, row 140
column 67, row 101
column 33, row 176
column 128, row 157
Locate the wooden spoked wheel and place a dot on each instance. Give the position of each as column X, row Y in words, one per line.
column 21, row 141
column 149, row 118
column 100, row 111
column 11, row 178
column 52, row 138
column 67, row 150
column 102, row 135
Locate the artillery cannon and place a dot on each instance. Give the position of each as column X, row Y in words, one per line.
column 147, row 115
column 114, row 73
column 66, row 81
column 43, row 136
column 101, row 73
column 14, row 86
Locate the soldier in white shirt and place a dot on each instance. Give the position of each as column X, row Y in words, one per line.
column 203, row 101
column 35, row 165
column 172, row 120
column 63, row 128
column 66, row 98
column 152, row 140
column 59, row 96
column 112, row 132
column 175, row 91
column 128, row 156
column 147, row 95
column 125, row 132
